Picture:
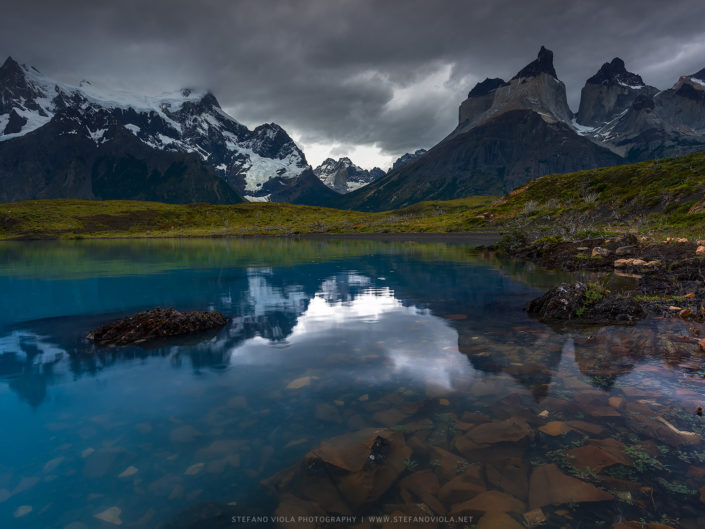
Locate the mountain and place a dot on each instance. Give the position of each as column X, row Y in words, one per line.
column 65, row 159
column 508, row 133
column 534, row 88
column 344, row 176
column 639, row 122
column 408, row 157
column 609, row 92
column 257, row 164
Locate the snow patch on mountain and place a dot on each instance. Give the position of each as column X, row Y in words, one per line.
column 187, row 121
column 344, row 176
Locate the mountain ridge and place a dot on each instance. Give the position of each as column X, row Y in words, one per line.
column 256, row 163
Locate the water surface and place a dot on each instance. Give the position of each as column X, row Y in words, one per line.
column 326, row 339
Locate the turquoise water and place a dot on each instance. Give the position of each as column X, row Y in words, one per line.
column 323, row 339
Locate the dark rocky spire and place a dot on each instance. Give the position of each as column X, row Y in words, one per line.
column 486, row 87
column 615, row 71
column 543, row 64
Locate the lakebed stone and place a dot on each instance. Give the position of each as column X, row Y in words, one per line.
column 153, row 324
column 549, row 486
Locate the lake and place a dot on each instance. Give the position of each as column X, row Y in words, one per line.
column 354, row 378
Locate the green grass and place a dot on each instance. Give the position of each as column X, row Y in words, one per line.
column 660, row 197
column 71, row 219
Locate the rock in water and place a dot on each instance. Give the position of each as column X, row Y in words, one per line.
column 155, row 323
column 582, row 302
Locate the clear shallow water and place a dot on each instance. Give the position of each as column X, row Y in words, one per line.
column 326, row 339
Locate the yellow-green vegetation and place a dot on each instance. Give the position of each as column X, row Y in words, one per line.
column 660, row 196
column 664, row 197
column 72, row 259
column 69, row 219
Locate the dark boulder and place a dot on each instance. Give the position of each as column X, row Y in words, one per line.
column 154, row 324
column 587, row 303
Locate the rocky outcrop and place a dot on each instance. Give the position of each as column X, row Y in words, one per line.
column 154, row 324
column 535, row 87
column 609, row 93
column 587, row 303
column 408, row 158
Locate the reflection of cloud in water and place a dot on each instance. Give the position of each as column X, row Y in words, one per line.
column 369, row 306
column 28, row 346
column 416, row 344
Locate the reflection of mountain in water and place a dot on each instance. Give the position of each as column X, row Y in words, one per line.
column 277, row 305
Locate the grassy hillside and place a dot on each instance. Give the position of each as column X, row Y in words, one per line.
column 48, row 219
column 661, row 196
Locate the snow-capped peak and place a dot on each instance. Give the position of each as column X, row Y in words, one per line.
column 184, row 120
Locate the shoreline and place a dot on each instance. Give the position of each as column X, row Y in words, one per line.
column 478, row 237
column 666, row 277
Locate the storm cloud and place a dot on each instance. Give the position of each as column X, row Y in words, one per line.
column 377, row 78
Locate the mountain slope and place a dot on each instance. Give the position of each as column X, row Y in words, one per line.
column 61, row 159
column 251, row 161
column 490, row 159
column 639, row 122
column 507, row 134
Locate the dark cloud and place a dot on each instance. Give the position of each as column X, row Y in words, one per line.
column 348, row 72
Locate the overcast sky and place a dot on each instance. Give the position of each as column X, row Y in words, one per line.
column 368, row 79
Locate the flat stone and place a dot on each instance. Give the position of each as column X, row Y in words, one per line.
column 424, row 486
column 184, row 434
column 300, row 382
column 549, row 486
column 327, row 413
column 512, row 430
column 194, row 469
column 641, row 419
column 511, row 475
column 463, row 487
column 491, row 501
column 22, row 510
column 555, row 428
column 51, row 465
column 534, row 517
column 599, row 454
column 110, row 515
column 129, row 471
column 624, row 250
column 393, row 416
column 498, row 520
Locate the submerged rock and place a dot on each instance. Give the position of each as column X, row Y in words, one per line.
column 587, row 303
column 348, row 471
column 550, row 486
column 153, row 324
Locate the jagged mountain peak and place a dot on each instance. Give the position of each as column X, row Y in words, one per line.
column 534, row 88
column 609, row 94
column 184, row 121
column 542, row 64
column 408, row 157
column 486, row 87
column 343, row 176
column 10, row 64
column 615, row 71
column 700, row 76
